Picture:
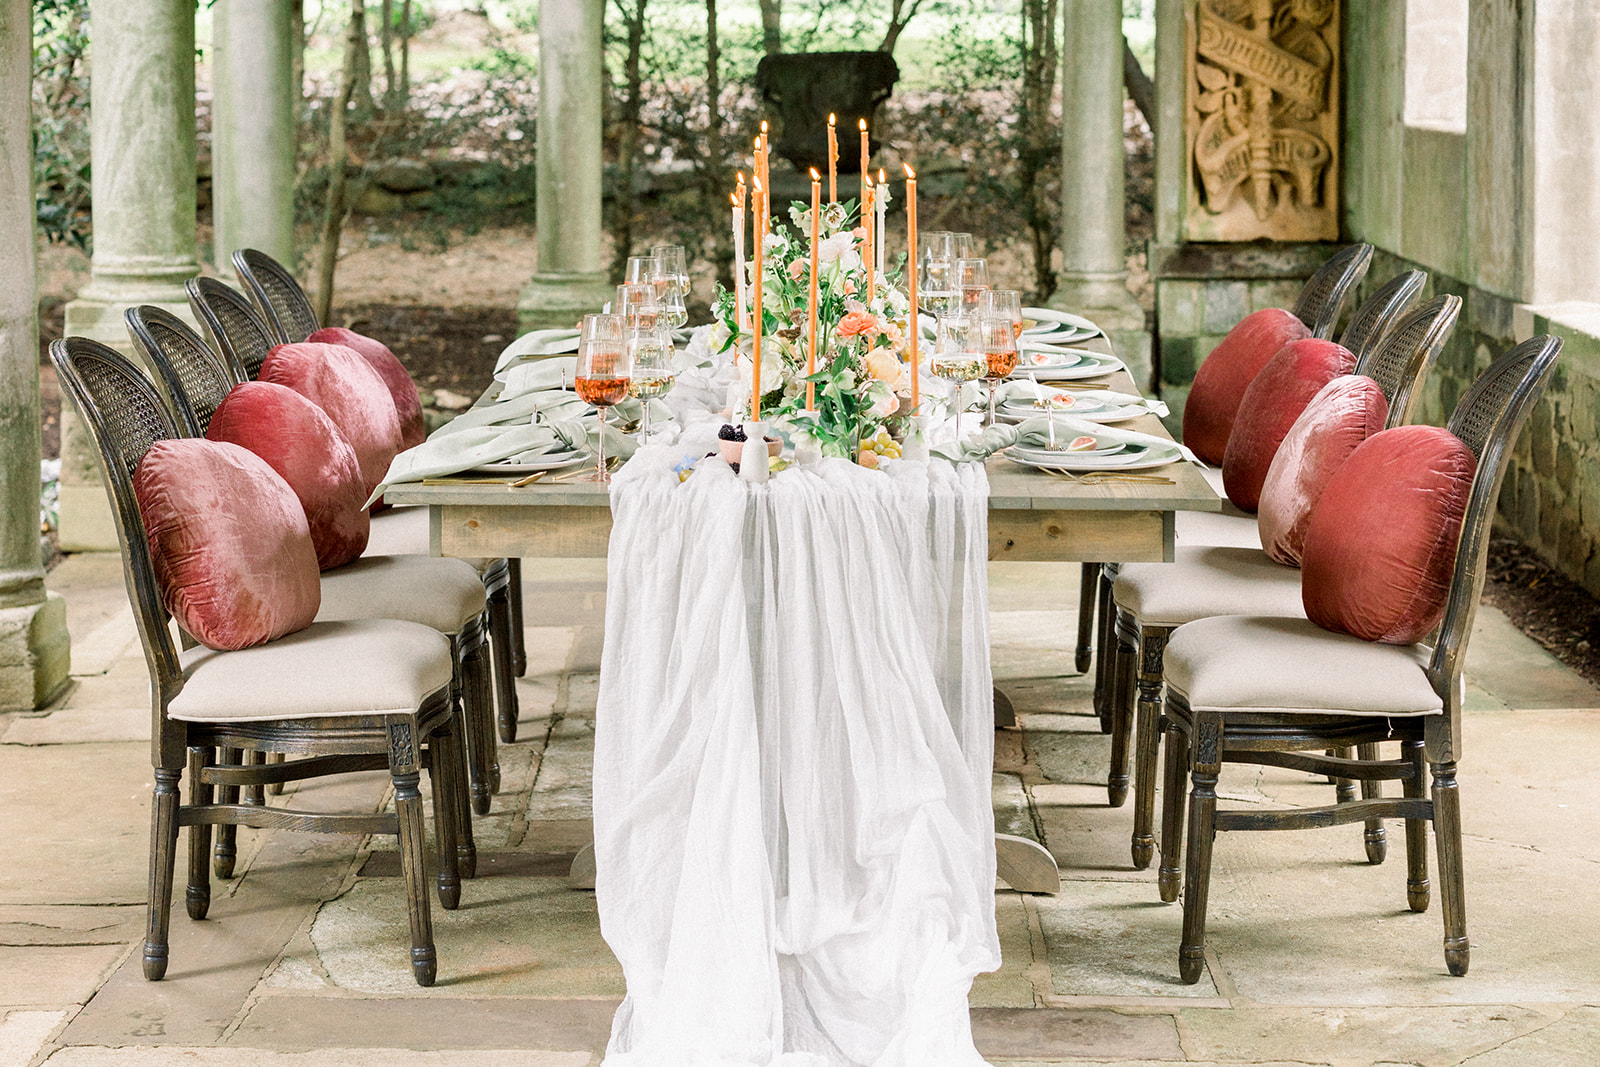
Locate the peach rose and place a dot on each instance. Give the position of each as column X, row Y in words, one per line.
column 858, row 323
column 883, row 366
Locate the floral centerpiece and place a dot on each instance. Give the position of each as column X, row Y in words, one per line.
column 861, row 380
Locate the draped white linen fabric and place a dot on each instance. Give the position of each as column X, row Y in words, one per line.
column 794, row 745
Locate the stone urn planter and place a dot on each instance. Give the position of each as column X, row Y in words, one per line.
column 802, row 89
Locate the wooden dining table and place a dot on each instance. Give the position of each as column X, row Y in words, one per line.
column 1034, row 516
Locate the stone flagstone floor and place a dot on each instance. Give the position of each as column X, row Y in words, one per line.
column 1314, row 957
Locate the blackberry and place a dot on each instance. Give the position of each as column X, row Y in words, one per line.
column 735, row 467
column 730, row 432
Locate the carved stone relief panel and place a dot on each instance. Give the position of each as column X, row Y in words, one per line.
column 1262, row 120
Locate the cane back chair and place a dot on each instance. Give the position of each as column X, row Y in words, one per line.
column 1293, row 690
column 237, row 330
column 1096, row 622
column 1152, row 600
column 284, row 308
column 443, row 593
column 1323, row 297
column 342, row 696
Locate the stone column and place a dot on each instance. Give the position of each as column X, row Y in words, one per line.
column 141, row 145
column 1094, row 274
column 571, row 277
column 34, row 647
column 252, row 130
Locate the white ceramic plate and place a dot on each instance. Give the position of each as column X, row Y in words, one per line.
column 1135, row 457
column 1089, row 365
column 1082, row 406
column 548, row 462
column 1048, row 320
column 1031, row 359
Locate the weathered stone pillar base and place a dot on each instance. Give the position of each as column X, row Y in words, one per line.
column 1104, row 298
column 35, row 654
column 86, row 523
column 562, row 299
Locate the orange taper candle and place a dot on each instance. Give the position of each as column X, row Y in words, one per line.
column 811, row 351
column 866, row 173
column 911, row 278
column 833, row 158
column 756, row 317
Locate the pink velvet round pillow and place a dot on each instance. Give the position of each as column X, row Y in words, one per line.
column 229, row 542
column 1270, row 406
column 1345, row 413
column 1221, row 381
column 1382, row 541
column 343, row 384
column 300, row 442
column 407, row 401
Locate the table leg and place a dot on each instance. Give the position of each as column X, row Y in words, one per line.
column 1005, row 716
column 1026, row 865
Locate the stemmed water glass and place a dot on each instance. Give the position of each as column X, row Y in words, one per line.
column 639, row 269
column 991, row 334
column 670, row 297
column 602, row 376
column 970, row 281
column 652, row 374
column 673, row 261
column 933, row 284
column 637, row 304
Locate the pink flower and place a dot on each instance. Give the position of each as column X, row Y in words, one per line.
column 798, row 269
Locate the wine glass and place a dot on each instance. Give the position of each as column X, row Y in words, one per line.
column 652, row 375
column 969, row 281
column 934, row 284
column 639, row 269
column 991, row 336
column 1006, row 303
column 638, row 304
column 673, row 261
column 602, row 376
column 670, row 297
column 960, row 245
column 955, row 361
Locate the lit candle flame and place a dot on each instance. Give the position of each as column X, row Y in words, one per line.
column 909, row 172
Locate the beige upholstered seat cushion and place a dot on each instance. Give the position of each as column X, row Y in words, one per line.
column 403, row 531
column 329, row 668
column 444, row 594
column 1231, row 527
column 1202, row 582
column 1249, row 663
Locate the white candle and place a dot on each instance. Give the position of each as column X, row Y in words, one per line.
column 882, row 205
column 738, row 254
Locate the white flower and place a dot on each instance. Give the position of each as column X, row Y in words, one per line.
column 774, row 243
column 884, row 402
column 834, row 216
column 836, row 248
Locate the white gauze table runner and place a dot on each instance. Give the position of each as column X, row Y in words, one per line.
column 793, row 755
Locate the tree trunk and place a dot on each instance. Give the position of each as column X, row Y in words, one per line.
column 386, row 42
column 361, row 74
column 338, row 154
column 628, row 139
column 1041, row 137
column 1140, row 88
column 721, row 246
column 899, row 17
column 297, row 52
column 771, row 26
column 405, row 53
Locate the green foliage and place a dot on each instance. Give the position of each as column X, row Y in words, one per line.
column 61, row 120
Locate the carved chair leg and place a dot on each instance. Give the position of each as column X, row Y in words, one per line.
column 1417, row 887
column 477, row 710
column 1346, row 787
column 404, row 772
column 1088, row 595
column 1452, row 888
column 444, row 764
column 197, row 896
column 276, row 788
column 1206, row 764
column 519, row 647
column 1117, row 778
column 1375, row 837
column 163, row 854
column 501, row 636
column 227, row 835
column 1147, row 745
column 1173, row 795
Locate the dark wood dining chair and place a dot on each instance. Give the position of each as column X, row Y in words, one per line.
column 1151, row 600
column 1346, row 692
column 243, row 335
column 1323, row 297
column 314, row 695
column 443, row 593
column 280, row 301
column 1374, row 315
